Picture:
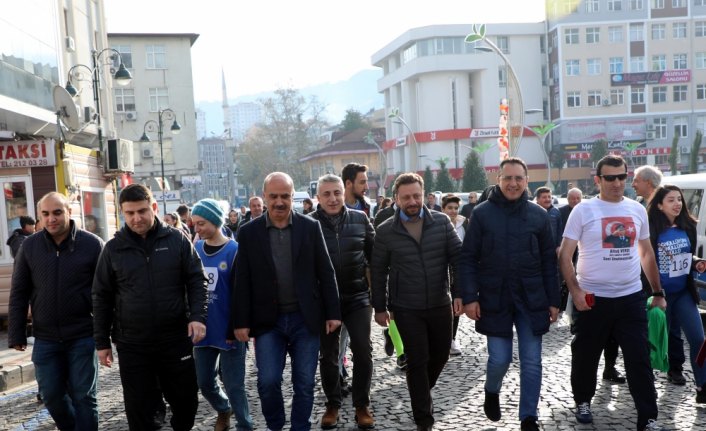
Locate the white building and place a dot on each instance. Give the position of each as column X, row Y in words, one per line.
column 242, row 116
column 200, row 124
column 162, row 79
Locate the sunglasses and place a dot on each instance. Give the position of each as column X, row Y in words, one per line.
column 611, row 178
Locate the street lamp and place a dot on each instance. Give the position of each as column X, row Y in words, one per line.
column 395, row 114
column 122, row 77
column 542, row 132
column 151, row 125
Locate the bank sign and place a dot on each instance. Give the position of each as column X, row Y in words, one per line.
column 27, row 154
column 657, row 77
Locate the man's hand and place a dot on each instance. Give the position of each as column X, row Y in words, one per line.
column 242, row 334
column 197, row 331
column 382, row 318
column 20, row 347
column 578, row 295
column 659, row 301
column 553, row 314
column 332, row 325
column 472, row 310
column 458, row 306
column 105, row 357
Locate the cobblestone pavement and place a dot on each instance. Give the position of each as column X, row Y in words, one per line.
column 458, row 396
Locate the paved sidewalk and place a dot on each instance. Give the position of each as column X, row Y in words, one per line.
column 16, row 368
column 458, row 396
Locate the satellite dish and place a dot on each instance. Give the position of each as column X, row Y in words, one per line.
column 65, row 108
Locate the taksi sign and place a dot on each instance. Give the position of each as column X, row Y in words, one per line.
column 27, row 154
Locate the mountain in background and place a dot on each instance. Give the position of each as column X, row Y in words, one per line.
column 358, row 93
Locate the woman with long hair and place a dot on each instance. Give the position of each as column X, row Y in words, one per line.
column 673, row 237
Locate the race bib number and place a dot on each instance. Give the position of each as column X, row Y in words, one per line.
column 679, row 264
column 212, row 277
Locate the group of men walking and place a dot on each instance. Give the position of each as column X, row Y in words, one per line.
column 181, row 315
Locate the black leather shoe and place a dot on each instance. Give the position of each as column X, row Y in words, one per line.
column 675, row 377
column 425, row 427
column 389, row 347
column 529, row 424
column 491, row 406
column 612, row 375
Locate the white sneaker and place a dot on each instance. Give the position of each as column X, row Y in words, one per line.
column 652, row 425
column 455, row 348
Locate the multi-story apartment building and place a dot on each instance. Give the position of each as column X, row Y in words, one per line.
column 242, row 116
column 217, row 169
column 161, row 67
column 630, row 72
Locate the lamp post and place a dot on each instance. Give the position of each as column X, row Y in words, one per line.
column 150, row 125
column 542, row 132
column 122, row 77
column 395, row 114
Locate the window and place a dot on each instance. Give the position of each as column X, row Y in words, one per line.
column 701, row 60
column 678, row 3
column 659, row 94
column 18, row 193
column 573, row 99
column 616, row 64
column 615, row 5
column 593, row 66
column 659, row 62
column 659, row 124
column 542, row 44
column 659, row 31
column 699, row 2
column 637, row 96
column 681, row 126
column 94, row 213
column 159, row 99
column 156, row 56
column 124, row 99
column 503, row 44
column 637, row 64
column 593, row 35
column 615, row 34
column 502, row 76
column 700, row 29
column 679, row 30
column 555, row 71
column 679, row 93
column 592, row 6
column 594, row 98
column 637, row 32
column 679, row 61
column 572, row 68
column 125, row 54
column 636, row 4
column 701, row 92
column 571, row 36
column 617, row 96
column 657, row 4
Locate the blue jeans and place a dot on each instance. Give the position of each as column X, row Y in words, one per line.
column 67, row 374
column 232, row 369
column 290, row 335
column 682, row 312
column 500, row 356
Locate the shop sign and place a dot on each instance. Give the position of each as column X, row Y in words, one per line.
column 27, row 154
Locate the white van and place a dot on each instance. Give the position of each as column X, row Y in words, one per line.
column 694, row 188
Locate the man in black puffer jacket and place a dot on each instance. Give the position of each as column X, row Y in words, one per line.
column 508, row 274
column 349, row 239
column 413, row 253
column 53, row 272
column 150, row 290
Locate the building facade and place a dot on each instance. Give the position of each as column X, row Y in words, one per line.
column 161, row 67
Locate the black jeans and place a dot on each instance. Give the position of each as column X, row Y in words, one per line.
column 427, row 342
column 625, row 319
column 144, row 369
column 357, row 323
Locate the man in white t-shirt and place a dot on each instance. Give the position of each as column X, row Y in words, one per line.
column 613, row 235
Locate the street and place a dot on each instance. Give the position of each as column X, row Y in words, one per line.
column 458, row 396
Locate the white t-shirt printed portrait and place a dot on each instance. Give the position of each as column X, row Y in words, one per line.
column 607, row 235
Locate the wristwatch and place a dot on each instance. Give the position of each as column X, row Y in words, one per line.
column 658, row 293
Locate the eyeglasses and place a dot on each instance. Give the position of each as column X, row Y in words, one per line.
column 611, row 178
column 516, row 178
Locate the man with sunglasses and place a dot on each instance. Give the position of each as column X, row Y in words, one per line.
column 607, row 291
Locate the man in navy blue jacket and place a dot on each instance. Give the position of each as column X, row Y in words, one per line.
column 285, row 295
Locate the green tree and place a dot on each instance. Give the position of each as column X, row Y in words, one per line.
column 428, row 181
column 694, row 156
column 443, row 179
column 674, row 155
column 557, row 160
column 474, row 177
column 599, row 150
column 353, row 121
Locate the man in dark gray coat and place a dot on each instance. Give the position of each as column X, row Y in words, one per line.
column 508, row 274
column 412, row 255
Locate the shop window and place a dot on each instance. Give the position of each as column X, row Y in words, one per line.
column 18, row 199
column 93, row 218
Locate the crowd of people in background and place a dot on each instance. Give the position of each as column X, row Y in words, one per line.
column 184, row 298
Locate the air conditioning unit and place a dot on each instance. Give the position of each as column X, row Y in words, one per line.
column 70, row 44
column 147, row 153
column 119, row 157
column 651, row 135
column 606, row 102
column 131, row 115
